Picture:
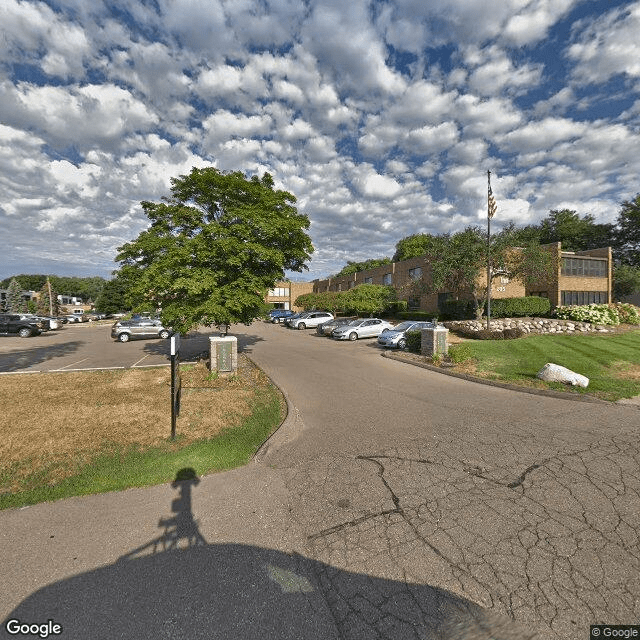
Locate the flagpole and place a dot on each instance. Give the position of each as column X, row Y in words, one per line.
column 488, row 249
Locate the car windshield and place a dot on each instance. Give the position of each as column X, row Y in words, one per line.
column 403, row 326
column 355, row 323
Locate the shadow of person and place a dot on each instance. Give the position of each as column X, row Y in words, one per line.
column 181, row 530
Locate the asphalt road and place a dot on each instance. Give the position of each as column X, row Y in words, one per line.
column 77, row 347
column 395, row 502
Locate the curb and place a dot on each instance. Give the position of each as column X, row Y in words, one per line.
column 503, row 385
column 289, row 429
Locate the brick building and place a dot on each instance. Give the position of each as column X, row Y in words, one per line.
column 580, row 277
column 284, row 295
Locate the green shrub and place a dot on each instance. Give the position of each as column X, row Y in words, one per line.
column 520, row 307
column 417, row 315
column 457, row 310
column 628, row 313
column 414, row 341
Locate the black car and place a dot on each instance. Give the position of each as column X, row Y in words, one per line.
column 22, row 325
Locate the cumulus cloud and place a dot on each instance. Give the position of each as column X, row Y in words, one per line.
column 386, row 113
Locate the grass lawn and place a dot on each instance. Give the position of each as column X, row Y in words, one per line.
column 611, row 362
column 69, row 434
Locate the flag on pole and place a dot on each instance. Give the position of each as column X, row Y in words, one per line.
column 492, row 206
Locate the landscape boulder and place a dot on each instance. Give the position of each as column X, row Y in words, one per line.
column 557, row 373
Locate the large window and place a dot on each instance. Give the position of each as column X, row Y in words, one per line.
column 387, row 278
column 568, row 298
column 584, row 267
column 279, row 292
column 368, row 280
column 415, row 274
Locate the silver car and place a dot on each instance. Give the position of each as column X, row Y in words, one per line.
column 396, row 337
column 363, row 328
column 311, row 319
column 125, row 330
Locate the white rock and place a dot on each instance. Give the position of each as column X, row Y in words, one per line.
column 557, row 373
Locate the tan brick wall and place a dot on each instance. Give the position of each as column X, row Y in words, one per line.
column 295, row 289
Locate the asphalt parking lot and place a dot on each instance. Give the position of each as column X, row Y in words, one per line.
column 81, row 347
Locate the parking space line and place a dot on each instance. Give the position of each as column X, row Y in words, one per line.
column 85, row 369
column 70, row 365
column 135, row 364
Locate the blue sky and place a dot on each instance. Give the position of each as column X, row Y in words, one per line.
column 382, row 118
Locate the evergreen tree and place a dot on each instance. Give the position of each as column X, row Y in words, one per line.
column 15, row 301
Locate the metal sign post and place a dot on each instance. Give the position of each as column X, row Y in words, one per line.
column 176, row 383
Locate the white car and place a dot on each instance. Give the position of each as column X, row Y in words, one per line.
column 362, row 328
column 310, row 319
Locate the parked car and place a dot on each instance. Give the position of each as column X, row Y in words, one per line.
column 279, row 315
column 293, row 318
column 23, row 325
column 125, row 330
column 362, row 328
column 311, row 319
column 396, row 337
column 326, row 328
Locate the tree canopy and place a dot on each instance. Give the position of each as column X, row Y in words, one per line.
column 214, row 248
column 628, row 232
column 354, row 267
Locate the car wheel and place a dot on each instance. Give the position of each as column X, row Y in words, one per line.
column 302, row 325
column 24, row 332
column 124, row 337
column 353, row 336
column 164, row 334
column 402, row 343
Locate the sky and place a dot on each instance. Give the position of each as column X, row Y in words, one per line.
column 381, row 117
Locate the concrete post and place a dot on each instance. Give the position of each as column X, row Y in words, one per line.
column 223, row 352
column 434, row 341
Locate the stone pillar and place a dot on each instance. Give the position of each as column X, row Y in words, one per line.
column 223, row 354
column 434, row 341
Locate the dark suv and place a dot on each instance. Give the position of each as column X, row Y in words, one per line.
column 24, row 326
column 139, row 327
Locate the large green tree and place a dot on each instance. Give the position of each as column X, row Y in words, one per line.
column 114, row 296
column 628, row 227
column 214, row 248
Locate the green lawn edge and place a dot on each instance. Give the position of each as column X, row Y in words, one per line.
column 518, row 361
column 125, row 468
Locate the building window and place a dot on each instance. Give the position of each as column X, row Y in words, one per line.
column 569, row 298
column 279, row 292
column 387, row 279
column 584, row 267
column 415, row 274
column 413, row 304
column 368, row 280
column 352, row 283
column 539, row 294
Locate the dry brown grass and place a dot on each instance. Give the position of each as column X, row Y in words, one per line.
column 625, row 370
column 59, row 421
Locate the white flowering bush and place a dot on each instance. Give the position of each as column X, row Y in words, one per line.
column 612, row 314
column 594, row 313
